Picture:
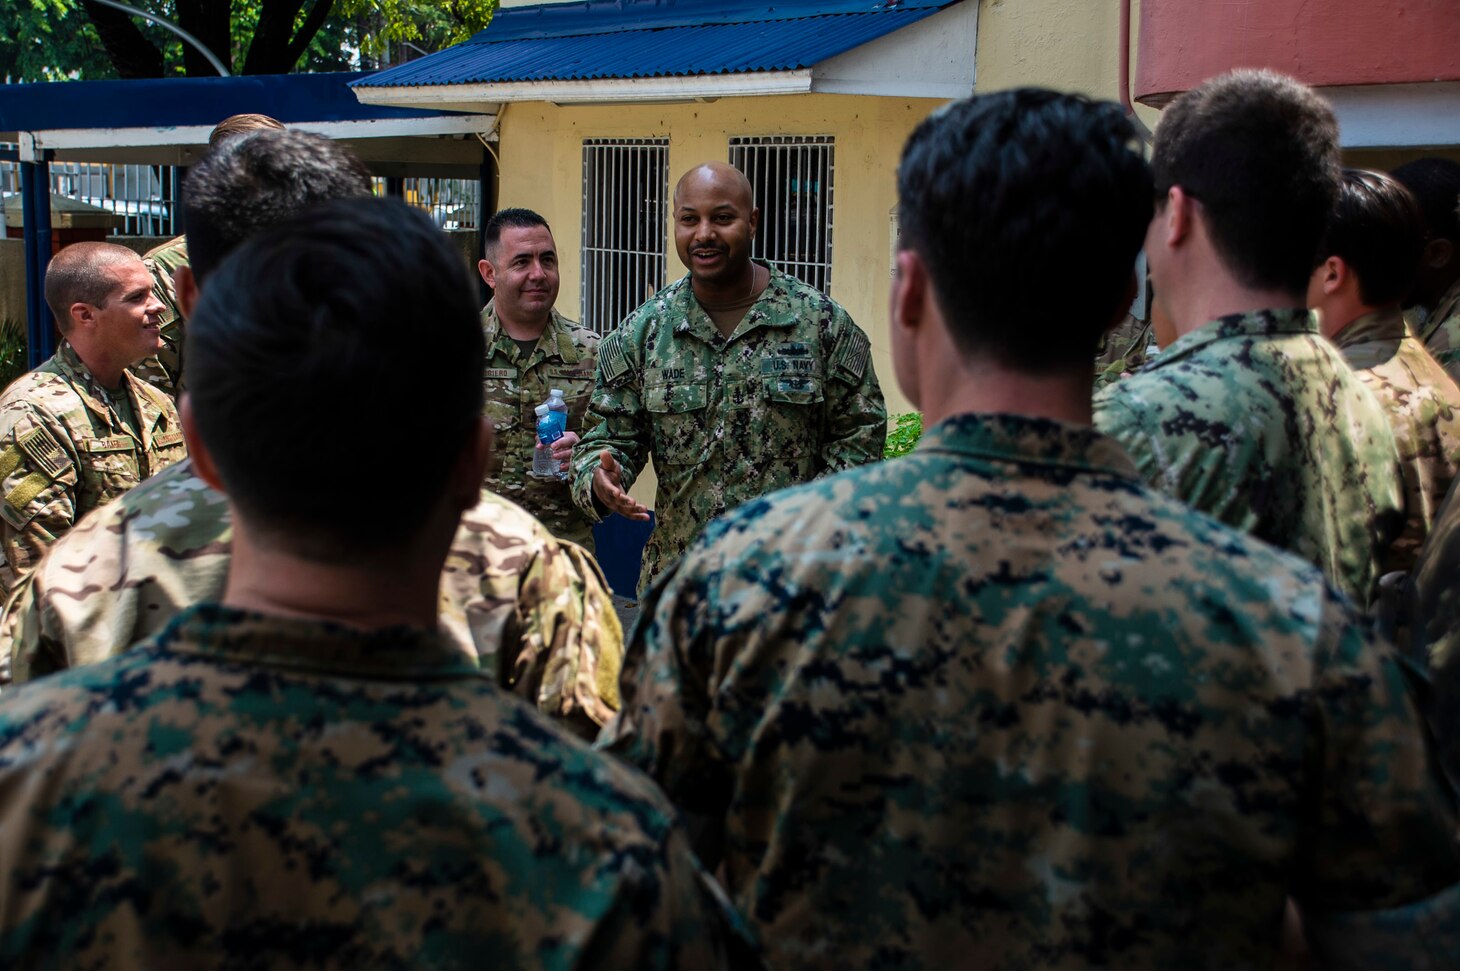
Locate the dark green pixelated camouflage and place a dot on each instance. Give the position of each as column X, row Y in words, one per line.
column 532, row 611
column 253, row 792
column 67, row 446
column 1423, row 406
column 790, row 396
column 164, row 370
column 998, row 704
column 1256, row 419
column 516, row 384
column 1439, row 328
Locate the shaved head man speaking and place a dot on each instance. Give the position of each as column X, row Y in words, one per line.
column 736, row 379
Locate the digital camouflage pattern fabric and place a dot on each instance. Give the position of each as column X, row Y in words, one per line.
column 1256, row 419
column 997, row 704
column 67, row 446
column 791, row 395
column 253, row 792
column 1439, row 328
column 535, row 613
column 515, row 385
column 165, row 369
column 1438, row 600
column 1423, row 405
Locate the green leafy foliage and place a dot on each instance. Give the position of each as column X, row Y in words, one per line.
column 12, row 351
column 51, row 40
column 904, row 434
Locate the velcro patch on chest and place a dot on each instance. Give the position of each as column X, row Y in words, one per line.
column 43, row 453
column 850, row 356
column 613, row 360
column 167, row 439
column 500, row 373
column 112, row 443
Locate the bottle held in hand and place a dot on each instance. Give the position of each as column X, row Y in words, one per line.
column 550, row 428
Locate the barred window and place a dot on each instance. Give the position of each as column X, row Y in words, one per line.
column 791, row 176
column 625, row 212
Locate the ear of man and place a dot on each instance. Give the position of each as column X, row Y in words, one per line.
column 185, row 288
column 488, row 272
column 198, row 452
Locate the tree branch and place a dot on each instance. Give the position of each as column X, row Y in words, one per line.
column 312, row 23
column 129, row 49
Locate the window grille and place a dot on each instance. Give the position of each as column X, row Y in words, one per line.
column 145, row 196
column 791, row 176
column 451, row 203
column 625, row 212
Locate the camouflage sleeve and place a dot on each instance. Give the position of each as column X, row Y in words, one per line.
column 1380, row 865
column 26, row 651
column 664, row 721
column 38, row 477
column 856, row 416
column 673, row 917
column 572, row 644
column 615, row 421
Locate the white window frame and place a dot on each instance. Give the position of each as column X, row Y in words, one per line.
column 793, row 178
column 625, row 212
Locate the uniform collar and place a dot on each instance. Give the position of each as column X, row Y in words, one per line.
column 771, row 309
column 556, row 339
column 1381, row 325
column 1254, row 323
column 214, row 630
column 1030, row 441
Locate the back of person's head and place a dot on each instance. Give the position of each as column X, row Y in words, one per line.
column 78, row 274
column 1003, row 192
column 240, row 124
column 1377, row 230
column 1435, row 184
column 1259, row 151
column 335, row 374
column 257, row 179
column 509, row 219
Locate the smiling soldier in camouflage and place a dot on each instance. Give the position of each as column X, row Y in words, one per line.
column 737, row 380
column 998, row 704
column 310, row 773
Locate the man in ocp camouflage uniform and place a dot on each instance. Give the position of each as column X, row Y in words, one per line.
column 309, row 773
column 1367, row 263
column 998, row 704
column 736, row 380
column 1434, row 314
column 80, row 430
column 532, row 349
column 535, row 614
column 1250, row 415
column 164, row 369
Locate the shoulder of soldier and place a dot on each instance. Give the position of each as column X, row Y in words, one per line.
column 498, row 524
column 169, row 255
column 42, row 396
column 582, row 338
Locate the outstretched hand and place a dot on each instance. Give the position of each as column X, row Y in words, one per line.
column 608, row 487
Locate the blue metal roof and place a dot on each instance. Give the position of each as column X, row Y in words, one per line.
column 182, row 102
column 656, row 38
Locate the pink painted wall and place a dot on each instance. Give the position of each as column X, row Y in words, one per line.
column 1321, row 42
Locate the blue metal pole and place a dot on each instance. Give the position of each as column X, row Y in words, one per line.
column 35, row 201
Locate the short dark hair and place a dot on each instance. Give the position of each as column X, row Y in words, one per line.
column 335, row 372
column 77, row 274
column 1376, row 229
column 257, row 179
column 1259, row 151
column 1435, row 184
column 509, row 219
column 997, row 192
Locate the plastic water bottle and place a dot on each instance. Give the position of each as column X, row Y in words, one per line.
column 559, row 410
column 549, row 430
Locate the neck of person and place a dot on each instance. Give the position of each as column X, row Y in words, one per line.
column 367, row 594
column 524, row 330
column 738, row 289
column 1063, row 397
column 106, row 370
column 1207, row 296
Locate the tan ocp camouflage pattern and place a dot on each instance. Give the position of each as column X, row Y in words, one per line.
column 165, row 369
column 1423, row 405
column 998, row 704
column 534, row 612
column 1257, row 420
column 789, row 396
column 252, row 792
column 67, row 447
column 514, row 386
column 1439, row 328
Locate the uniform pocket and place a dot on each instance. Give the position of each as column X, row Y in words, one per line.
column 677, row 420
